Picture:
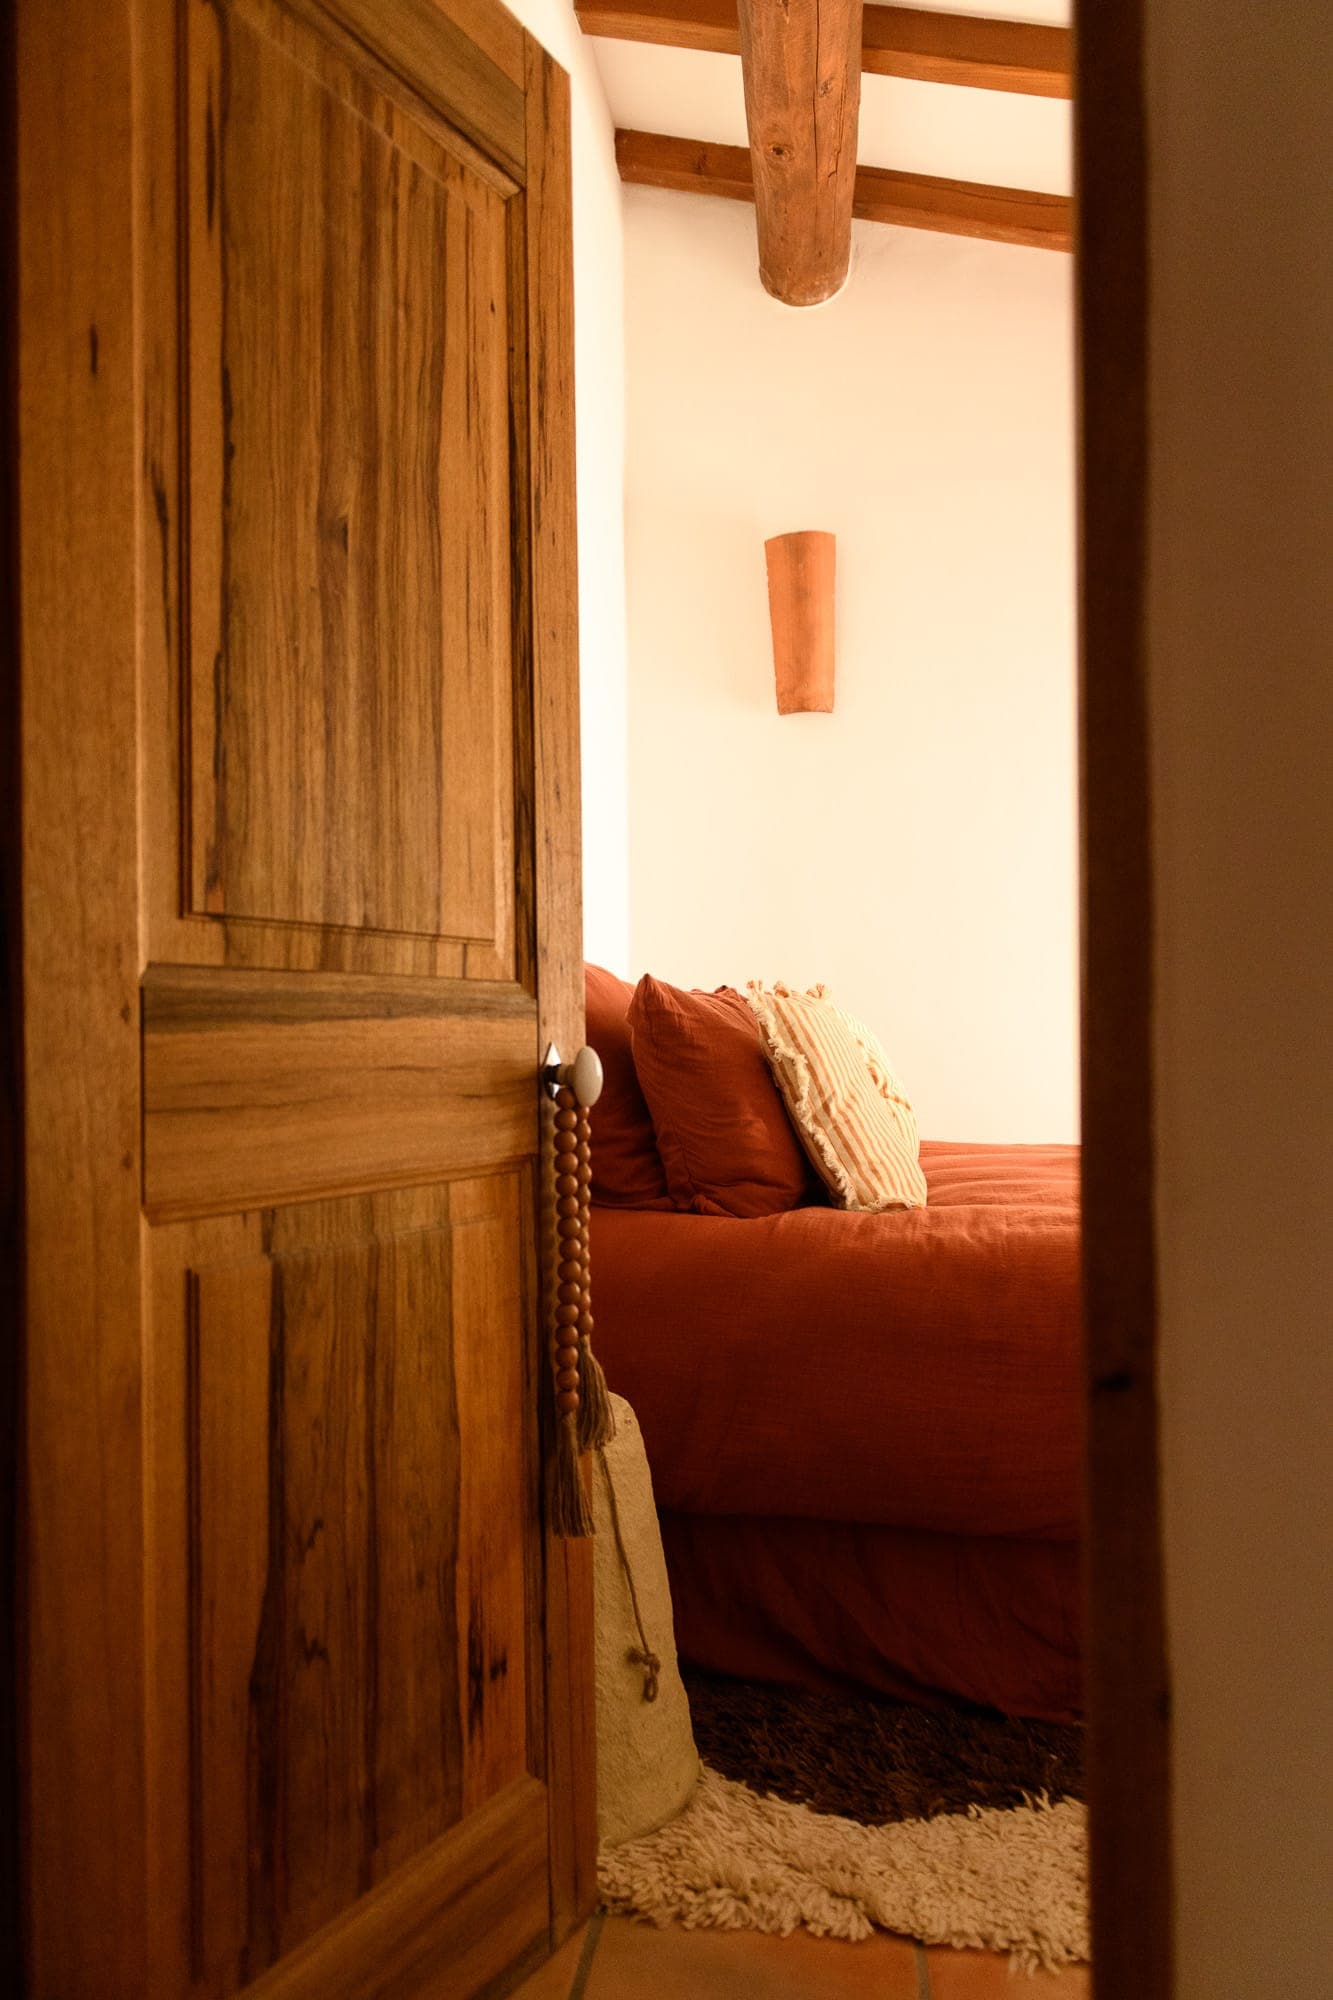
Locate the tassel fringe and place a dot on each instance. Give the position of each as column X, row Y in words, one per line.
column 597, row 1423
column 571, row 1515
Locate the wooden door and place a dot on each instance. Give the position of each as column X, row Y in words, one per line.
column 306, row 1685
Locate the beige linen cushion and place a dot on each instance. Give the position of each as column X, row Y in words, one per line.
column 647, row 1765
column 849, row 1108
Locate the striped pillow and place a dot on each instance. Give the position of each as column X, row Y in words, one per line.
column 843, row 1098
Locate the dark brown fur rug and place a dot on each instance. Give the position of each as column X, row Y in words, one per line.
column 875, row 1760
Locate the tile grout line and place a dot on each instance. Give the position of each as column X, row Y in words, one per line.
column 591, row 1939
column 922, row 1971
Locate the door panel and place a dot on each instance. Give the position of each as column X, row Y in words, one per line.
column 360, row 1473
column 273, row 1086
column 347, row 358
column 464, row 1918
column 340, row 1697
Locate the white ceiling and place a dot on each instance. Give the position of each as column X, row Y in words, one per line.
column 928, row 128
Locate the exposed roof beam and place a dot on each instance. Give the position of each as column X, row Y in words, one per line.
column 913, row 201
column 895, row 41
column 802, row 97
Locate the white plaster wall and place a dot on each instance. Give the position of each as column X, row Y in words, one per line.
column 924, row 128
column 916, row 848
column 1240, row 131
column 599, row 336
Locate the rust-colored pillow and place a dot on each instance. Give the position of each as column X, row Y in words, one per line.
column 725, row 1141
column 626, row 1169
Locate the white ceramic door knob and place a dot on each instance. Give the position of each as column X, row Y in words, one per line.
column 583, row 1076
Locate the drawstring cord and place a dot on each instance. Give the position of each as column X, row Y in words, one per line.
column 641, row 1655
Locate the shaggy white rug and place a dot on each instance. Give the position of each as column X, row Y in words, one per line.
column 1012, row 1881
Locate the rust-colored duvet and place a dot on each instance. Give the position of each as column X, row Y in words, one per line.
column 911, row 1379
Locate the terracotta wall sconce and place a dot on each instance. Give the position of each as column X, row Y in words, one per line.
column 800, row 606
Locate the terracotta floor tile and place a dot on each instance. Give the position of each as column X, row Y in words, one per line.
column 636, row 1962
column 984, row 1975
column 556, row 1977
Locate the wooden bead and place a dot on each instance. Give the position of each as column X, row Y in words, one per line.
column 570, row 1294
column 571, row 1268
column 568, row 1313
column 566, row 1184
column 569, row 1229
column 567, row 1357
column 567, row 1378
column 566, row 1121
column 567, row 1402
column 568, row 1204
column 586, row 1327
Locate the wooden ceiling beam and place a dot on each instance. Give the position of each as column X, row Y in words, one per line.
column 670, row 24
column 1015, row 56
column 912, row 201
column 802, row 81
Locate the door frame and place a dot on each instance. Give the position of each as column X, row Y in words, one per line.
column 1128, row 1683
column 11, row 1170
column 77, row 1419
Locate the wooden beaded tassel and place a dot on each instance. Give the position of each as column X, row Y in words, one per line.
column 597, row 1425
column 583, row 1413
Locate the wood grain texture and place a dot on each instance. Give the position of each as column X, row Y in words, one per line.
column 462, row 1922
column 964, row 208
column 673, row 24
column 895, row 41
column 226, row 1475
column 1129, row 1690
column 688, row 166
column 1018, row 56
column 82, row 1664
column 495, row 1491
column 461, row 57
column 556, row 879
column 911, row 201
column 271, row 1086
column 800, row 66
column 350, row 499
column 11, row 1053
column 338, row 1429
column 328, row 1465
column 802, row 574
column 246, row 1681
column 164, row 526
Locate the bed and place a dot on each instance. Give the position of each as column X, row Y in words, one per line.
column 865, row 1430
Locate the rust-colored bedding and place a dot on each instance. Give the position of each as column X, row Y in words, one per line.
column 911, row 1370
column 918, row 1617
